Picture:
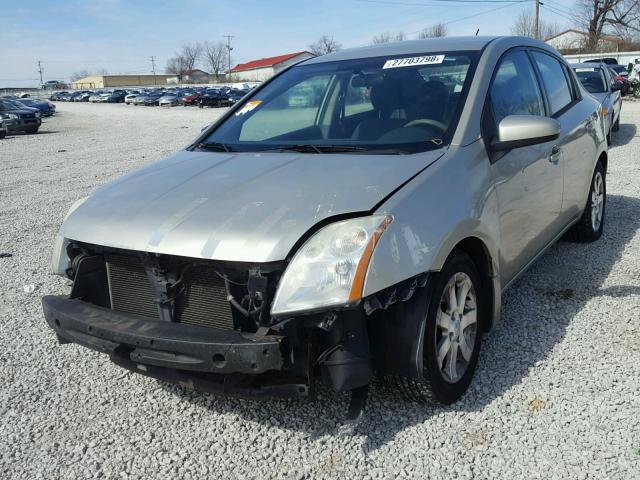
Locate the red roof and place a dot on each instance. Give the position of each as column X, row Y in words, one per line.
column 266, row 62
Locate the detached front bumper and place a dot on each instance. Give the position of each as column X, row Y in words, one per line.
column 140, row 341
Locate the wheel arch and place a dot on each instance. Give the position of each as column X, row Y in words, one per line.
column 479, row 253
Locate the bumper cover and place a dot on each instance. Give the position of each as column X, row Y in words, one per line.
column 162, row 344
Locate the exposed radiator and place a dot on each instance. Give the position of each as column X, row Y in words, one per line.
column 202, row 301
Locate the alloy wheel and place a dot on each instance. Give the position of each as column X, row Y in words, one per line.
column 597, row 201
column 456, row 327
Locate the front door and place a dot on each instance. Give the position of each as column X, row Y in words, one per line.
column 529, row 180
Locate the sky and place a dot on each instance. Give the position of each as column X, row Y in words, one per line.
column 120, row 36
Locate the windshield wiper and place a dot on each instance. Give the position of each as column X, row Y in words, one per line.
column 308, row 148
column 214, row 146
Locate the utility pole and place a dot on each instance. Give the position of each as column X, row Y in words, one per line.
column 153, row 68
column 537, row 21
column 229, row 37
column 40, row 72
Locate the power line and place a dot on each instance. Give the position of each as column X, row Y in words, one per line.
column 558, row 12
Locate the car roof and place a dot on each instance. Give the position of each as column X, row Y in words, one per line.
column 588, row 65
column 408, row 47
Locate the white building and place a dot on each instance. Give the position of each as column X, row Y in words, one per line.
column 264, row 68
column 574, row 40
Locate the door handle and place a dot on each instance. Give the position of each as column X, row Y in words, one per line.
column 555, row 155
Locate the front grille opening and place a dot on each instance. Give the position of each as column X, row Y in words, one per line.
column 201, row 299
column 129, row 287
column 204, row 299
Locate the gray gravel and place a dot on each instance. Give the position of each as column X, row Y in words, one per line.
column 556, row 394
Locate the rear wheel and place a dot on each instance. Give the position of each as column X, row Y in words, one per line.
column 32, row 130
column 591, row 224
column 3, row 133
column 451, row 340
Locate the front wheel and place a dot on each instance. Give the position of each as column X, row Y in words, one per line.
column 451, row 339
column 616, row 126
column 32, row 130
column 591, row 224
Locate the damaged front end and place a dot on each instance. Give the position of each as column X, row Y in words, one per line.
column 207, row 325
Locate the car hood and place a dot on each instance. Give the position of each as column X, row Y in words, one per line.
column 249, row 207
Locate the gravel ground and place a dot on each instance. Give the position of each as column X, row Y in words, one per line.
column 555, row 396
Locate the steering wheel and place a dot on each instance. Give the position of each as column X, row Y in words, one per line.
column 428, row 122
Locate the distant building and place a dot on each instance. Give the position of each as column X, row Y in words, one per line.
column 573, row 41
column 191, row 76
column 105, row 81
column 264, row 68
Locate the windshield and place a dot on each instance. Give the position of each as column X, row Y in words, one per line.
column 592, row 79
column 399, row 104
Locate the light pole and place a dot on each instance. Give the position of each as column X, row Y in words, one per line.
column 229, row 48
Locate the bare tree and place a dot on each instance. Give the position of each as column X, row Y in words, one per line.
column 191, row 54
column 324, row 45
column 525, row 26
column 215, row 57
column 176, row 66
column 598, row 17
column 436, row 30
column 387, row 37
column 79, row 75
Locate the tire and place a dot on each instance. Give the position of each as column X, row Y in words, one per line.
column 200, row 105
column 616, row 126
column 3, row 134
column 589, row 229
column 32, row 130
column 437, row 376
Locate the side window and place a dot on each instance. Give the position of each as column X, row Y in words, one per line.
column 515, row 90
column 554, row 80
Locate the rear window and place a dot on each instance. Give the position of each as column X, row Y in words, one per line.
column 592, row 79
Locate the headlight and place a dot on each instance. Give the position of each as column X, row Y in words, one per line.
column 330, row 268
column 37, row 114
column 9, row 116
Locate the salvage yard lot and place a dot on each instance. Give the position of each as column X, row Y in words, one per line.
column 556, row 394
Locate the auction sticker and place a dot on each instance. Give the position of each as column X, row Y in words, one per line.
column 412, row 61
column 248, row 107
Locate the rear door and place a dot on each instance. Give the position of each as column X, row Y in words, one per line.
column 529, row 180
column 578, row 137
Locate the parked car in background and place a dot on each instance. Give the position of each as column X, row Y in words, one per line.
column 605, row 60
column 53, row 84
column 130, row 96
column 117, row 96
column 191, row 98
column 231, row 97
column 83, row 96
column 211, row 97
column 152, row 98
column 170, row 99
column 46, row 108
column 23, row 119
column 260, row 261
column 597, row 80
column 625, row 84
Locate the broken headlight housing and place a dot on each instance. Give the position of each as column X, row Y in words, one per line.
column 329, row 269
column 59, row 259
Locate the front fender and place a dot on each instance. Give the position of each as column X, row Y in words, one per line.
column 450, row 201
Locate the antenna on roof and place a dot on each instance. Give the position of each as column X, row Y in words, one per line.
column 477, row 31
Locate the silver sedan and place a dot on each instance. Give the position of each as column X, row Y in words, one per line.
column 360, row 212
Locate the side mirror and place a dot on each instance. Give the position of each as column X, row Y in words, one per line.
column 517, row 131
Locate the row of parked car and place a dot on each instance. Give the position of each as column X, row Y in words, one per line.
column 223, row 96
column 23, row 114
